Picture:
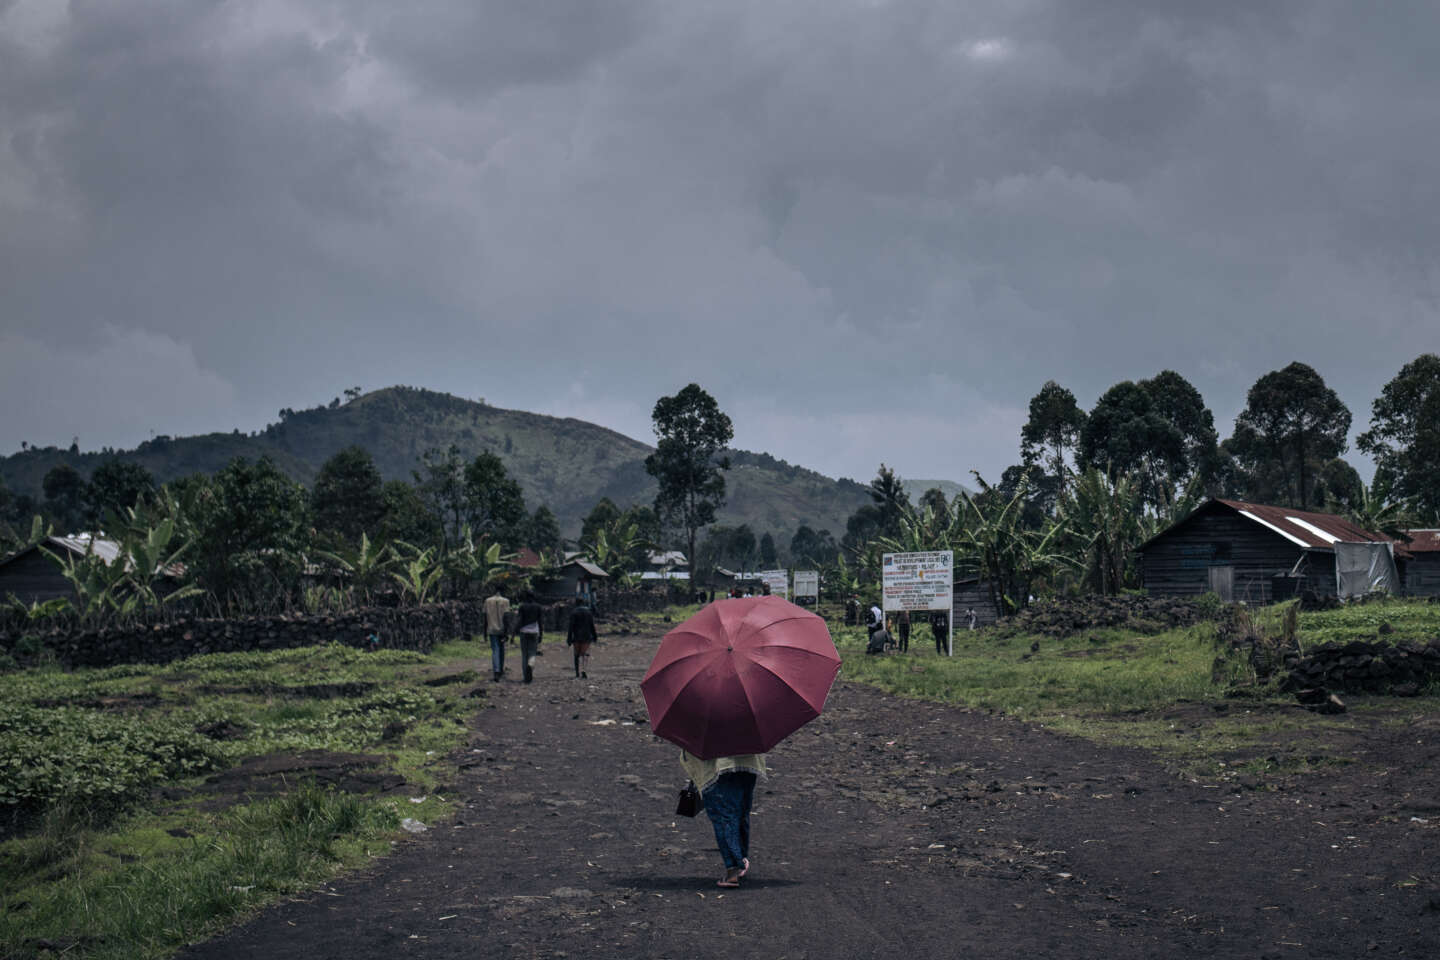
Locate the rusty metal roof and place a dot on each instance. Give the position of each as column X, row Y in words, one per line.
column 1423, row 541
column 1304, row 528
column 1314, row 531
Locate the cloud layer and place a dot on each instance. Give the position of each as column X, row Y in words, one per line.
column 872, row 229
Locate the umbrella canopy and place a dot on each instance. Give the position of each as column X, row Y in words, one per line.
column 740, row 676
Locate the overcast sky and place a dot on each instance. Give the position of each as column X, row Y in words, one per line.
column 871, row 229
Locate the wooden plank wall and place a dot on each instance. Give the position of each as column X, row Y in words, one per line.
column 1178, row 564
column 973, row 594
column 1422, row 575
column 34, row 578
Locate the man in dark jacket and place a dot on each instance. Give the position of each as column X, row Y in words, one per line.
column 530, row 634
column 580, row 635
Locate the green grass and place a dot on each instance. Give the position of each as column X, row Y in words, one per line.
column 106, row 871
column 1156, row 692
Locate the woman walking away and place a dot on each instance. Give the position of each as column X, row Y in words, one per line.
column 530, row 635
column 727, row 785
column 580, row 635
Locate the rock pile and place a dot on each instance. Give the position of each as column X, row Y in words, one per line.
column 1058, row 618
column 1400, row 669
column 410, row 628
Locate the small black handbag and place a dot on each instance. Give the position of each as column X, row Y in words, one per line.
column 690, row 802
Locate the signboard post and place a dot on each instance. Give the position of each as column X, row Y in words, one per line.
column 778, row 581
column 807, row 584
column 921, row 581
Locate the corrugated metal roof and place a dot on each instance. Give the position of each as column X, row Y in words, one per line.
column 1423, row 541
column 588, row 567
column 668, row 558
column 106, row 549
column 1304, row 528
column 1314, row 531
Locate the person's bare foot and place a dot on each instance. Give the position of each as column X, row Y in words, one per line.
column 731, row 880
column 744, row 868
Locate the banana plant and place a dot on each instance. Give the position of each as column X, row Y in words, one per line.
column 419, row 576
column 99, row 586
column 988, row 532
column 364, row 565
column 150, row 561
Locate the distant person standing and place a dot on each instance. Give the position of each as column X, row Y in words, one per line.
column 971, row 616
column 579, row 636
column 496, row 609
column 940, row 627
column 530, row 634
column 902, row 626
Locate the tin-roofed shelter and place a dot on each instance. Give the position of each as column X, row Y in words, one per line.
column 34, row 577
column 1421, row 564
column 1258, row 553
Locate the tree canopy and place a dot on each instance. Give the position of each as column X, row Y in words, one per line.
column 687, row 464
column 1291, row 425
column 1404, row 434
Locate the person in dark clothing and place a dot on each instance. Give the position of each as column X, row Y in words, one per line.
column 580, row 636
column 940, row 627
column 902, row 626
column 530, row 634
column 879, row 640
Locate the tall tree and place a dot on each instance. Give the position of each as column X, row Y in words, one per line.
column 887, row 492
column 1404, row 434
column 250, row 534
column 543, row 530
column 600, row 517
column 769, row 559
column 1127, row 433
column 407, row 517
column 691, row 432
column 348, row 498
column 1178, row 402
column 494, row 504
column 1292, row 423
column 1054, row 426
column 114, row 485
column 812, row 547
column 65, row 497
column 440, row 482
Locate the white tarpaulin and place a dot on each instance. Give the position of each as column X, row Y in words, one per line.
column 1362, row 568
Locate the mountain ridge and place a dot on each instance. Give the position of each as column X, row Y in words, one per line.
column 565, row 463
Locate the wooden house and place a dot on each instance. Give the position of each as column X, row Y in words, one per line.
column 576, row 577
column 972, row 593
column 1420, row 566
column 1248, row 552
column 34, row 577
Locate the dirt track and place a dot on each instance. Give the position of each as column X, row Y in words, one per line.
column 888, row 828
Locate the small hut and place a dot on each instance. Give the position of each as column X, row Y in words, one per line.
column 1421, row 564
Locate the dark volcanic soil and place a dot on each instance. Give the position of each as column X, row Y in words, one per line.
column 888, row 828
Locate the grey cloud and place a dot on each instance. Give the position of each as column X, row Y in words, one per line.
column 829, row 208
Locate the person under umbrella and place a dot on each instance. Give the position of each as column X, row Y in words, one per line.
column 727, row 785
column 726, row 686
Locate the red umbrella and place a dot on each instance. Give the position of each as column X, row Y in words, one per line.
column 740, row 676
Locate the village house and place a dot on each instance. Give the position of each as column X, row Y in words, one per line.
column 1420, row 563
column 1259, row 554
column 33, row 577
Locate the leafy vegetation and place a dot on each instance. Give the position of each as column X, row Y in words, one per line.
column 95, row 860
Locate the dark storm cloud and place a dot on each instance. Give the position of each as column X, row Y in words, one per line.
column 872, row 229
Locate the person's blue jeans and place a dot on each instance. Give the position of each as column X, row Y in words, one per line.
column 497, row 653
column 727, row 803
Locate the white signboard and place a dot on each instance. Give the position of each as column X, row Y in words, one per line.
column 778, row 581
column 918, row 581
column 807, row 583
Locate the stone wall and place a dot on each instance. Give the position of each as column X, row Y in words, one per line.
column 409, row 628
column 1401, row 669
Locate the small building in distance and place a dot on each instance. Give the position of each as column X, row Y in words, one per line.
column 972, row 593
column 1420, row 566
column 1249, row 552
column 34, row 577
column 576, row 577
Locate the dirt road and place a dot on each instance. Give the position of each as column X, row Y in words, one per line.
column 889, row 828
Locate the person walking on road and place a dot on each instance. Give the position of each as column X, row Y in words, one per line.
column 727, row 786
column 496, row 607
column 530, row 635
column 579, row 636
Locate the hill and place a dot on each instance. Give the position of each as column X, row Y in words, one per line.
column 567, row 464
column 915, row 489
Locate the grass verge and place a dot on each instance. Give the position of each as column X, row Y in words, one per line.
column 115, row 847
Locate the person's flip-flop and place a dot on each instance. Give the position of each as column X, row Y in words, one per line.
column 727, row 883
column 744, row 866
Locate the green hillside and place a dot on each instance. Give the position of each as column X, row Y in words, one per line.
column 566, row 464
